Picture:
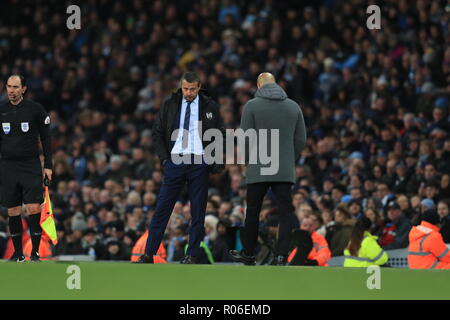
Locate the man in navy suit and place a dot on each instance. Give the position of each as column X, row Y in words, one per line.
column 182, row 157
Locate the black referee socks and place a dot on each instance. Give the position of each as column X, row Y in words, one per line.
column 15, row 228
column 35, row 230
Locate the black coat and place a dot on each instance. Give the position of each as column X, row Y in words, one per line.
column 166, row 123
column 220, row 249
column 445, row 229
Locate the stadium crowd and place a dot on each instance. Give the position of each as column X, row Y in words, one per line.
column 375, row 102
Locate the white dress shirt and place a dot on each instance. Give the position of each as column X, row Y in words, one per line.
column 194, row 145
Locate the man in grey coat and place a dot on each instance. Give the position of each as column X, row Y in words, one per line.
column 272, row 110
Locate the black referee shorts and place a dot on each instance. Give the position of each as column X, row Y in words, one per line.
column 21, row 182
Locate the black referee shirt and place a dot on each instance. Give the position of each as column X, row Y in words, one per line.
column 22, row 125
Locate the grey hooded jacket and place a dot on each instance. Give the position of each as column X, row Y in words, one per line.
column 272, row 109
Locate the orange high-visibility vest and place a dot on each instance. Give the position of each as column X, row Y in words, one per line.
column 427, row 249
column 319, row 252
column 139, row 250
column 45, row 250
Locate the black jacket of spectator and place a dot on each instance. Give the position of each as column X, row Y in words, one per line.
column 65, row 247
column 402, row 232
column 122, row 253
column 445, row 229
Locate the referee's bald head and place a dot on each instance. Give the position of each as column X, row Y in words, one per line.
column 15, row 87
column 265, row 78
column 18, row 77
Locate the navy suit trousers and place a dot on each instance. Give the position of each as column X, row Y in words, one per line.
column 175, row 176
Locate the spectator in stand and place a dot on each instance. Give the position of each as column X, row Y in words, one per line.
column 221, row 245
column 405, row 206
column 115, row 251
column 210, row 230
column 338, row 193
column 92, row 246
column 311, row 249
column 363, row 249
column 377, row 221
column 384, row 193
column 355, row 209
column 325, row 206
column 424, row 205
column 343, row 229
column 443, row 210
column 317, row 221
column 432, row 190
column 445, row 184
column 395, row 233
column 70, row 244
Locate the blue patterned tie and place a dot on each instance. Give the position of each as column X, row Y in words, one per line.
column 187, row 117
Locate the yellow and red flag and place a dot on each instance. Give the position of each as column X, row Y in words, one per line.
column 47, row 219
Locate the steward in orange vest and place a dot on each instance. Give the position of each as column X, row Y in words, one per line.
column 427, row 249
column 45, row 249
column 139, row 250
column 312, row 250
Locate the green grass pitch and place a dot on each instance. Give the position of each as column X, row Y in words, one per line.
column 109, row 280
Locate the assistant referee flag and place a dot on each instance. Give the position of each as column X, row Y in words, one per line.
column 47, row 219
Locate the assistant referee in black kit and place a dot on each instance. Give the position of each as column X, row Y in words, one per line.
column 23, row 122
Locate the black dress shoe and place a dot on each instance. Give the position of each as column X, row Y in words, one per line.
column 35, row 257
column 188, row 260
column 17, row 257
column 145, row 259
column 241, row 256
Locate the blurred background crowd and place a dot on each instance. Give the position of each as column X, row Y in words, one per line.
column 375, row 102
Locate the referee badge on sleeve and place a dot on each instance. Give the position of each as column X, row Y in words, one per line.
column 25, row 126
column 47, row 120
column 6, row 127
